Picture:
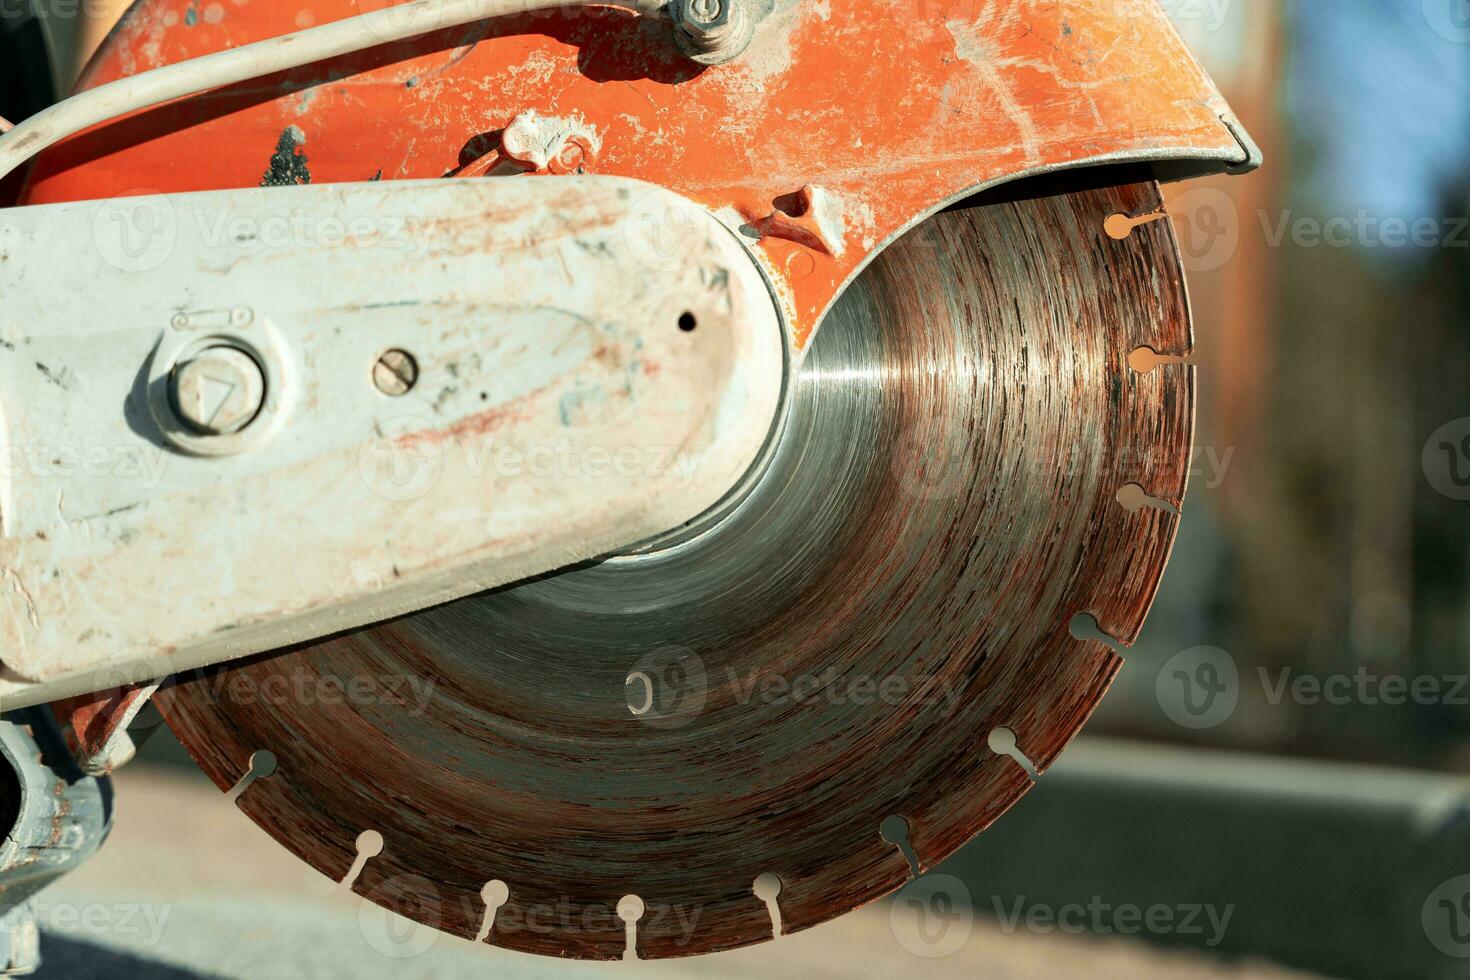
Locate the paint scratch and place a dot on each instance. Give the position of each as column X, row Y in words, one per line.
column 16, row 583
column 972, row 45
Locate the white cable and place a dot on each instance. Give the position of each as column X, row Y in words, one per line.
column 236, row 65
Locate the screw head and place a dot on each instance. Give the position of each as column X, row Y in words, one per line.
column 707, row 12
column 713, row 32
column 395, row 373
column 218, row 391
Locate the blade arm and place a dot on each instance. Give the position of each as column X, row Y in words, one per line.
column 598, row 362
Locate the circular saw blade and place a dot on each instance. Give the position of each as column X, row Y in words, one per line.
column 839, row 650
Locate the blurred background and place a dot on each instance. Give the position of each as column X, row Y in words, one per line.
column 1330, row 291
column 1288, row 751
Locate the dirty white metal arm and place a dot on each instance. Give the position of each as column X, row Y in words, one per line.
column 237, row 420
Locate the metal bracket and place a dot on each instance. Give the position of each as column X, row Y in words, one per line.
column 597, row 362
column 1254, row 157
column 58, row 818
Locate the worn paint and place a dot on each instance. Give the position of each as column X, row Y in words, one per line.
column 891, row 109
column 551, row 144
column 466, row 276
column 288, row 164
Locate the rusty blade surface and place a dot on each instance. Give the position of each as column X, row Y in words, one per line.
column 840, row 650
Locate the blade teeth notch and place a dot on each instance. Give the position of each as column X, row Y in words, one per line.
column 1134, row 498
column 1120, row 226
column 1146, row 360
column 262, row 764
column 1002, row 741
column 895, row 830
column 630, row 910
column 1085, row 627
column 767, row 888
column 495, row 893
column 369, row 846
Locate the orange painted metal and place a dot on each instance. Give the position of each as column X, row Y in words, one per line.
column 889, row 110
column 95, row 725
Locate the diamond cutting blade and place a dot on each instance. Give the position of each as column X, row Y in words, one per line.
column 883, row 627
